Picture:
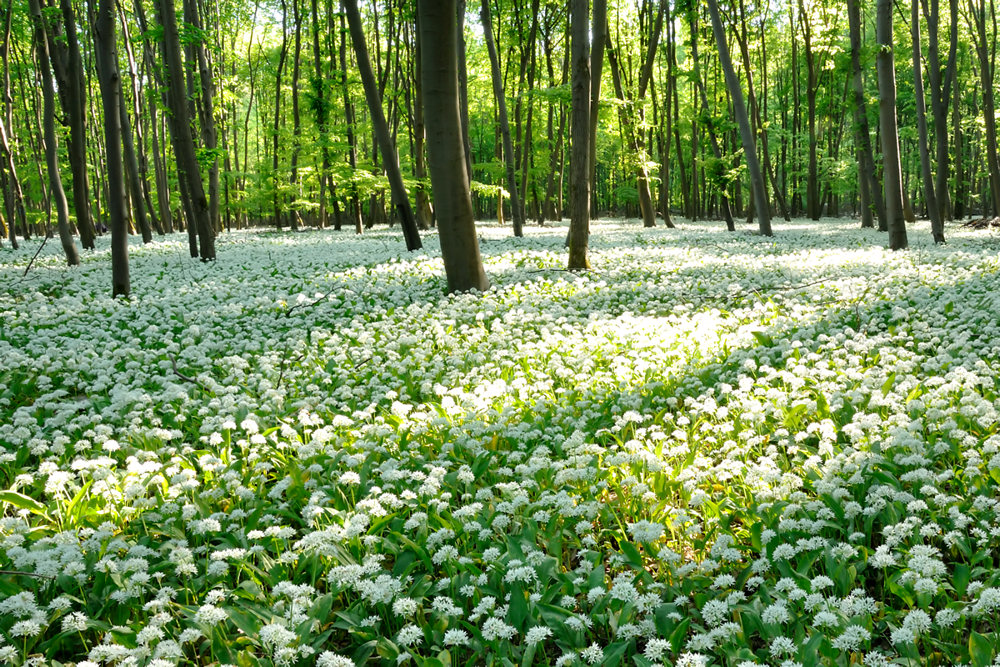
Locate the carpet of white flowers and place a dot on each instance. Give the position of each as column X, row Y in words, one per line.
column 712, row 449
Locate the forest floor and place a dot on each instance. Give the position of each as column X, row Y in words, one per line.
column 713, row 448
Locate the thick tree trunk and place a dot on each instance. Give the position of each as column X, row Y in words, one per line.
column 400, row 200
column 56, row 192
column 197, row 209
column 110, row 80
column 930, row 197
column 757, row 185
column 870, row 189
column 452, row 197
column 888, row 127
column 579, row 207
column 499, row 95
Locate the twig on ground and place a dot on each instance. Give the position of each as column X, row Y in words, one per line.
column 35, row 256
column 173, row 363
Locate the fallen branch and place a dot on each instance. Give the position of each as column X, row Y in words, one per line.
column 173, row 363
column 27, row 574
column 35, row 256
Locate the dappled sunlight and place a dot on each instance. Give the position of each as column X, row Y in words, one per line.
column 710, row 441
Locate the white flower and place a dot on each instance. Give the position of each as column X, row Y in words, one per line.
column 493, row 629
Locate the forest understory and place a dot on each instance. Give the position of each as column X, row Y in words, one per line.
column 710, row 449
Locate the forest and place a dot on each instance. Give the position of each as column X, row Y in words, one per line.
column 260, row 114
column 509, row 332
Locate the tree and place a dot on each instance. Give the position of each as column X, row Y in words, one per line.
column 517, row 209
column 869, row 188
column 201, row 234
column 885, row 64
column 930, row 197
column 463, row 264
column 56, row 192
column 110, row 81
column 579, row 179
column 757, row 185
column 390, row 159
column 985, row 47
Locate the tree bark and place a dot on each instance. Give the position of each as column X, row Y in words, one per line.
column 64, row 55
column 322, row 114
column 870, row 189
column 887, row 126
column 985, row 46
column 452, row 197
column 56, row 192
column 110, row 81
column 579, row 207
column 757, row 185
column 517, row 210
column 390, row 159
column 198, row 213
column 930, row 197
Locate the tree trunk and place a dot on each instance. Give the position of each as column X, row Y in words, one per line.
column 870, row 189
column 757, row 185
column 930, row 197
column 579, row 207
column 110, row 80
column 940, row 89
column 322, row 114
column 198, row 213
column 812, row 86
column 56, row 192
column 352, row 142
column 452, row 197
column 64, row 54
column 498, row 93
column 400, row 200
column 425, row 216
column 209, row 136
column 888, row 127
column 985, row 46
column 296, row 116
column 727, row 211
column 282, row 55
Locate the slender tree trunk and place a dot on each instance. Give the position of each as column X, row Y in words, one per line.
column 727, row 211
column 871, row 191
column 930, row 197
column 499, row 95
column 985, row 46
column 757, row 185
column 296, row 116
column 209, row 135
column 579, row 225
column 888, row 127
column 64, row 54
column 57, row 194
column 452, row 197
column 463, row 86
column 322, row 113
column 425, row 216
column 956, row 125
column 812, row 87
column 599, row 32
column 400, row 199
column 282, row 55
column 352, row 142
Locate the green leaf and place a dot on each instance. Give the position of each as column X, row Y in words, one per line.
column 21, row 501
column 980, row 650
column 763, row 338
column 887, row 385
